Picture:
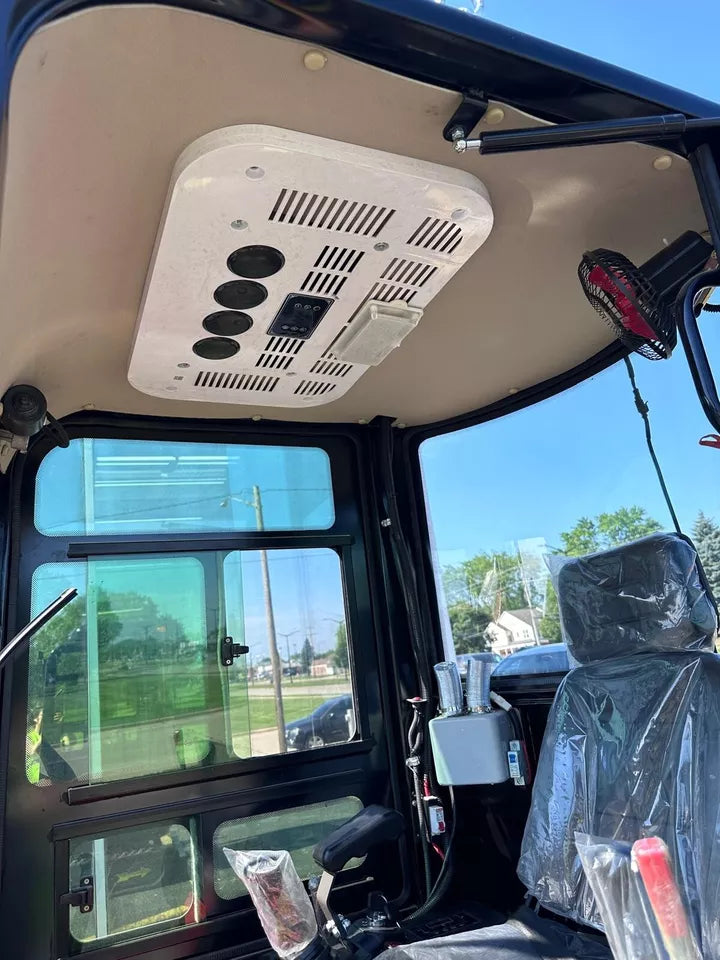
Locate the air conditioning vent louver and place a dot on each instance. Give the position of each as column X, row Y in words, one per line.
column 283, row 345
column 442, row 236
column 279, row 353
column 340, row 259
column 387, row 292
column 330, row 213
column 331, row 368
column 313, row 388
column 222, row 380
column 409, row 271
column 323, row 284
column 338, row 217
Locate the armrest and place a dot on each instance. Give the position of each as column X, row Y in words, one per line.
column 365, row 830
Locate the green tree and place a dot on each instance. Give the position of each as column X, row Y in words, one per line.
column 306, row 656
column 706, row 534
column 340, row 653
column 607, row 530
column 468, row 623
column 549, row 625
column 492, row 582
column 589, row 535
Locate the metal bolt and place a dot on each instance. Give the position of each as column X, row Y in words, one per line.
column 86, row 881
column 387, row 522
column 460, row 146
column 457, row 133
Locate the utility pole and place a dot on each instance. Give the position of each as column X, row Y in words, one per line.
column 272, row 636
column 287, row 642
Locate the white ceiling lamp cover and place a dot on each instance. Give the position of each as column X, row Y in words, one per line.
column 335, row 232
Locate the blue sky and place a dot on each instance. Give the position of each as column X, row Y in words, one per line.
column 674, row 42
column 583, row 452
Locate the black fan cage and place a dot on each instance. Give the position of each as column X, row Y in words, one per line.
column 633, row 284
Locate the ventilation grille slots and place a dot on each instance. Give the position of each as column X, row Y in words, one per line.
column 331, row 367
column 387, row 292
column 313, row 388
column 279, row 353
column 339, row 262
column 409, row 271
column 330, row 213
column 236, row 381
column 443, row 236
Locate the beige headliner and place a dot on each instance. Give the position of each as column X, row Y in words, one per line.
column 103, row 102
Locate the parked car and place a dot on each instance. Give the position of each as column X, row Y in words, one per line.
column 462, row 659
column 331, row 722
column 545, row 658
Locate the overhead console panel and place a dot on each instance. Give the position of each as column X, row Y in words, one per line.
column 274, row 246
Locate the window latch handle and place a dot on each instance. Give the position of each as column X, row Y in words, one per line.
column 229, row 650
column 83, row 897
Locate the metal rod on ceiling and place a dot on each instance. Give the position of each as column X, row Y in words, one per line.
column 624, row 130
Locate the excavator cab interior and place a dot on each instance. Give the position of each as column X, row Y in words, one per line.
column 359, row 530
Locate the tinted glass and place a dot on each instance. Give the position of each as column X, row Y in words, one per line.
column 105, row 487
column 292, row 600
column 296, row 830
column 534, row 661
column 145, row 880
column 570, row 475
column 121, row 682
column 128, row 681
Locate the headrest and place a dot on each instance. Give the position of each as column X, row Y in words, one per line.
column 648, row 595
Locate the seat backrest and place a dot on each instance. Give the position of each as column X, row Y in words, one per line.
column 632, row 746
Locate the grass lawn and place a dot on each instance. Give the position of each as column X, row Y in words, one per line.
column 262, row 710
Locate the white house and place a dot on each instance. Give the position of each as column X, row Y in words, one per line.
column 513, row 630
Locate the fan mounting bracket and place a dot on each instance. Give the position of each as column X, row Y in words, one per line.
column 469, row 113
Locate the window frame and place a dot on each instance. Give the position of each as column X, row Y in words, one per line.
column 57, row 809
column 408, row 468
column 40, row 548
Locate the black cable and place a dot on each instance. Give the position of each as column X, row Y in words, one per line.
column 403, row 562
column 445, row 876
column 643, row 409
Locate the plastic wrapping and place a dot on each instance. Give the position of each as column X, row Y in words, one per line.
column 282, row 903
column 632, row 745
column 629, row 924
column 524, row 937
column 649, row 595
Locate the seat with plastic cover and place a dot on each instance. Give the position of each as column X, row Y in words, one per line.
column 631, row 749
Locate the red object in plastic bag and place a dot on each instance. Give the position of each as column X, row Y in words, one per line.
column 650, row 856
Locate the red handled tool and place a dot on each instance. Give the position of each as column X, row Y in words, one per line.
column 651, row 858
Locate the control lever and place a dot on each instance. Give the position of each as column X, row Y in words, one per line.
column 372, row 826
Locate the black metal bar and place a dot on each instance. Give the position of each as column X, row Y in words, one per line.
column 239, row 795
column 202, row 777
column 79, row 549
column 29, row 631
column 672, row 125
column 693, row 345
column 707, row 177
